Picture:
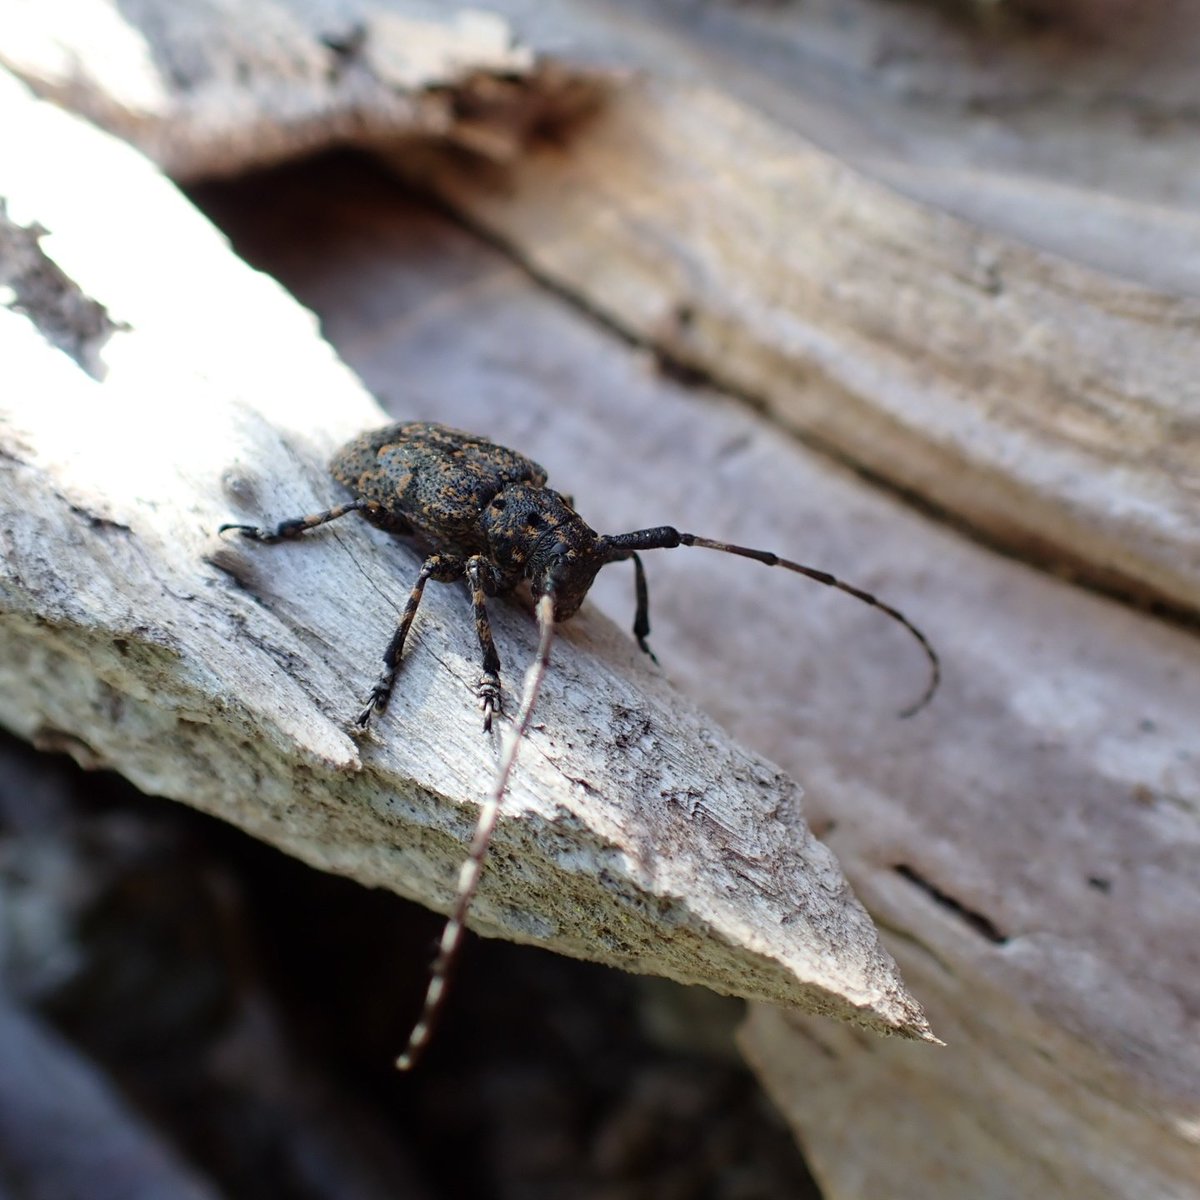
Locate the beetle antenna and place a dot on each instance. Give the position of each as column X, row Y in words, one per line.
column 664, row 537
column 489, row 813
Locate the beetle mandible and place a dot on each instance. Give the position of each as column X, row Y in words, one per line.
column 483, row 513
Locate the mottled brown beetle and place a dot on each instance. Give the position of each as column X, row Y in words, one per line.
column 483, row 513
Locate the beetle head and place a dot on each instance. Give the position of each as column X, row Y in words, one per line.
column 556, row 549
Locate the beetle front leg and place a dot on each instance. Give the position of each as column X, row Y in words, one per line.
column 488, row 687
column 295, row 526
column 435, row 564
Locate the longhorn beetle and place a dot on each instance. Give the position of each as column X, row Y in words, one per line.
column 481, row 512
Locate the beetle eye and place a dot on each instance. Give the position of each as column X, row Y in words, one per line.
column 498, row 503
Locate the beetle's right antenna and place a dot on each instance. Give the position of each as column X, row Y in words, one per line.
column 468, row 876
column 665, row 537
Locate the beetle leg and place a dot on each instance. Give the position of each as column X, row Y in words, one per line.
column 641, row 616
column 380, row 694
column 488, row 687
column 295, row 526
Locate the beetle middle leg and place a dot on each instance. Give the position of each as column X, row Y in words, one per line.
column 488, row 688
column 438, row 566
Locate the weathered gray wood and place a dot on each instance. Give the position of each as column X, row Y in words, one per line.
column 226, row 674
column 1005, row 386
column 1043, row 810
column 212, row 90
column 1045, row 814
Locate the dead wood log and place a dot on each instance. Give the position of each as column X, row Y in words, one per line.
column 226, row 675
column 208, row 92
column 994, row 381
column 1032, row 854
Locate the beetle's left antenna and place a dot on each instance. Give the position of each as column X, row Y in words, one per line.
column 468, row 877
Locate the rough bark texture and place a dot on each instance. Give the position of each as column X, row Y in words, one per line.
column 981, row 293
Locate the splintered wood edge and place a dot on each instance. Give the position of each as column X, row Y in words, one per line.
column 216, row 673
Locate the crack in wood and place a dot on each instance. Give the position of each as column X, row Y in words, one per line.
column 973, row 920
